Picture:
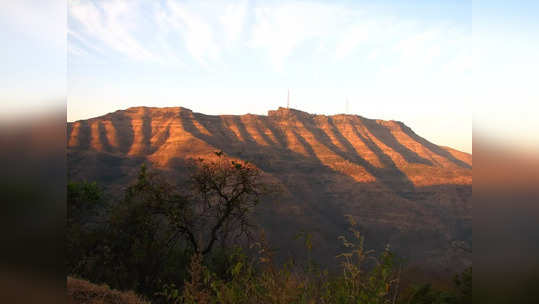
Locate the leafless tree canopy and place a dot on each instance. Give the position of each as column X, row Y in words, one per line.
column 221, row 196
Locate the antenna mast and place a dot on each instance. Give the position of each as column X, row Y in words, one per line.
column 288, row 100
column 346, row 106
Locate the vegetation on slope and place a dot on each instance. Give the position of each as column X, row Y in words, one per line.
column 197, row 244
column 83, row 292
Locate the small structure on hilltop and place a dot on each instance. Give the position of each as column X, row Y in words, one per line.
column 288, row 100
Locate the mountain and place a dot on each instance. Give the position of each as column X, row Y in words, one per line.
column 403, row 189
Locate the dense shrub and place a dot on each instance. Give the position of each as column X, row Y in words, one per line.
column 182, row 244
column 258, row 280
column 83, row 292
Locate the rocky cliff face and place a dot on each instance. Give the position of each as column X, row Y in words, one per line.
column 404, row 190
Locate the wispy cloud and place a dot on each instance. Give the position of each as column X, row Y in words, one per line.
column 352, row 38
column 111, row 24
column 206, row 34
column 281, row 28
column 233, row 21
column 197, row 33
column 395, row 57
column 165, row 31
column 81, row 43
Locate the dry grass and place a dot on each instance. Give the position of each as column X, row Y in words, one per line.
column 83, row 292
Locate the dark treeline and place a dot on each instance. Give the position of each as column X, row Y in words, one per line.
column 197, row 243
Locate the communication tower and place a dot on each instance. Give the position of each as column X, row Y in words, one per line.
column 288, row 100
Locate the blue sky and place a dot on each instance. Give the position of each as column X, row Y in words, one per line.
column 430, row 64
column 401, row 60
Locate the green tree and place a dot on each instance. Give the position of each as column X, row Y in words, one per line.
column 142, row 243
column 463, row 284
column 425, row 294
column 85, row 202
column 150, row 234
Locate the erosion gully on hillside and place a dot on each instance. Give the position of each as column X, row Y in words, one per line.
column 404, row 190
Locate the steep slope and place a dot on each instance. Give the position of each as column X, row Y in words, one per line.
column 405, row 190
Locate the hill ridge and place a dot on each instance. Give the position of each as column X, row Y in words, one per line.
column 396, row 182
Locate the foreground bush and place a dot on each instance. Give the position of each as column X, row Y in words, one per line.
column 366, row 279
column 83, row 292
column 145, row 239
column 196, row 243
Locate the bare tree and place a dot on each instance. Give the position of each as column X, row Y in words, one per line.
column 223, row 192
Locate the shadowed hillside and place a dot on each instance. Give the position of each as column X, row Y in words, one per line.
column 403, row 189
